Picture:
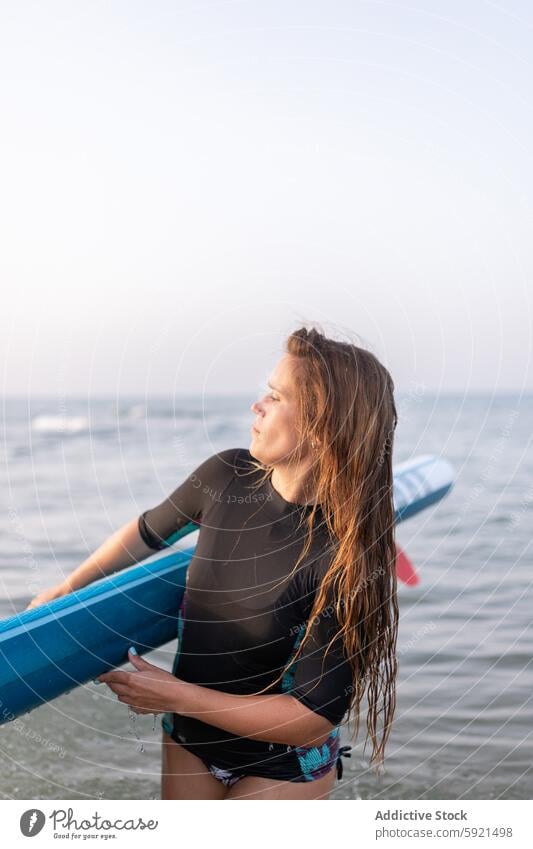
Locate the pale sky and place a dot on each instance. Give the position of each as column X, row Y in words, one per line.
column 183, row 183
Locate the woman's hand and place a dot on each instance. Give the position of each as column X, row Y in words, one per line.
column 48, row 595
column 148, row 689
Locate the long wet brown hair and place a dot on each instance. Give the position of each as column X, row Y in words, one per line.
column 346, row 408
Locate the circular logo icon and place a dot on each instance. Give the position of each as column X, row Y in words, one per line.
column 31, row 822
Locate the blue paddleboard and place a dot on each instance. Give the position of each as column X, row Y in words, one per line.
column 49, row 650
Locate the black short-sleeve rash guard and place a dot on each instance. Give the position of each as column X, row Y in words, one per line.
column 245, row 609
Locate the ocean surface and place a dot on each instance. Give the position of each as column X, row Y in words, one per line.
column 74, row 470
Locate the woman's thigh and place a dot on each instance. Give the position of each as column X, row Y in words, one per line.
column 184, row 776
column 252, row 787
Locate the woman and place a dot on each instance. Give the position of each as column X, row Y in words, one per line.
column 290, row 611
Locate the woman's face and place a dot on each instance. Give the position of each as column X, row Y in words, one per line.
column 276, row 437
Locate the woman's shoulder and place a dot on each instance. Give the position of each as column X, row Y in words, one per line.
column 222, row 466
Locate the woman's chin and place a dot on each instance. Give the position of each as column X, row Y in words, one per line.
column 254, row 450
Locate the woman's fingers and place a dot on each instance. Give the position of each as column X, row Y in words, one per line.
column 125, row 695
column 115, row 677
column 120, row 689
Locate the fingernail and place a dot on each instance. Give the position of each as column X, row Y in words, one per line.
column 133, row 650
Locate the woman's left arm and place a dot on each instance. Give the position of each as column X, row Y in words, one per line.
column 277, row 718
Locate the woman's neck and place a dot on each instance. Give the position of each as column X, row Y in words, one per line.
column 293, row 485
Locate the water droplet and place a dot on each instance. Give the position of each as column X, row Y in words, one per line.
column 153, row 726
column 133, row 730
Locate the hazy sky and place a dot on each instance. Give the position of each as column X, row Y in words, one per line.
column 183, row 183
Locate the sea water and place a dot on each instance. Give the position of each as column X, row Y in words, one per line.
column 463, row 728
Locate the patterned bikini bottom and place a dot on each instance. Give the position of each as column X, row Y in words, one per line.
column 296, row 763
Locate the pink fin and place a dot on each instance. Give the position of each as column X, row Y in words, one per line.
column 405, row 569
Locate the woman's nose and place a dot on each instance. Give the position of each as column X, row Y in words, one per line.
column 255, row 408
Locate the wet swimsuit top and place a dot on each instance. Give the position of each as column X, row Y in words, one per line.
column 243, row 612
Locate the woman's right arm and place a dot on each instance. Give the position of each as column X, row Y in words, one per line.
column 122, row 549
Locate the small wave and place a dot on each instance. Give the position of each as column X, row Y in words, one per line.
column 60, row 424
column 180, row 415
column 137, row 411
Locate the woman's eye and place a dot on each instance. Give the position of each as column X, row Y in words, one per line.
column 272, row 396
